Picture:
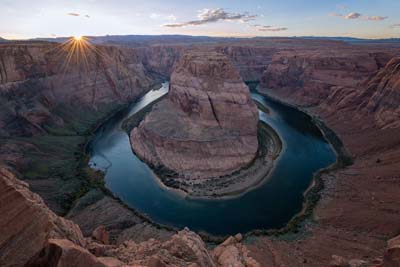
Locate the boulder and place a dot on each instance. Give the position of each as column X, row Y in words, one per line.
column 64, row 253
column 233, row 253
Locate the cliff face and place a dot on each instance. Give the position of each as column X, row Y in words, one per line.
column 381, row 97
column 308, row 76
column 40, row 83
column 250, row 61
column 207, row 126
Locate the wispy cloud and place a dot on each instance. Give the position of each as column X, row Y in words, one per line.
column 268, row 28
column 214, row 15
column 77, row 15
column 352, row 15
column 73, row 14
column 356, row 15
column 376, row 18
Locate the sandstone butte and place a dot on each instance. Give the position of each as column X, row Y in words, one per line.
column 207, row 125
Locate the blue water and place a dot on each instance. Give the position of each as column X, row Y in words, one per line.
column 269, row 206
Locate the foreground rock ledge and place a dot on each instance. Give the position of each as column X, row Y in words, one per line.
column 207, row 125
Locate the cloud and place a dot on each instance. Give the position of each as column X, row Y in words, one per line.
column 395, row 25
column 356, row 15
column 376, row 18
column 77, row 15
column 352, row 15
column 214, row 15
column 267, row 28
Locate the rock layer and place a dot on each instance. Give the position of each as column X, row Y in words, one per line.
column 207, row 126
column 26, row 222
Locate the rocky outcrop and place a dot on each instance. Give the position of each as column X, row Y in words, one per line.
column 207, row 126
column 183, row 249
column 233, row 253
column 63, row 252
column 391, row 257
column 26, row 223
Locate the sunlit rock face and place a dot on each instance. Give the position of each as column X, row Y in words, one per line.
column 207, row 125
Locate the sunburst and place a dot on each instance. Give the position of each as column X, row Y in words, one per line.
column 79, row 55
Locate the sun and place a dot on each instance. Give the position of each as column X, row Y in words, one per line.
column 78, row 38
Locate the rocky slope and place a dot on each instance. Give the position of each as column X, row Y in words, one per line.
column 26, row 223
column 207, row 127
column 32, row 235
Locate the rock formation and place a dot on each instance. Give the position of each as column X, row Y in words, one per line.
column 32, row 235
column 207, row 126
column 26, row 223
column 382, row 95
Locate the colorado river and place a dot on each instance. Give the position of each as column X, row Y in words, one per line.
column 271, row 205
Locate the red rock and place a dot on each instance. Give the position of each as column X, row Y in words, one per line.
column 64, row 253
column 100, row 234
column 26, row 222
column 207, row 127
column 392, row 253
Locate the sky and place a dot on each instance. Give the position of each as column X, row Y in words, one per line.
column 22, row 19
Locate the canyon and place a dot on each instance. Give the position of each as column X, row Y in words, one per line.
column 48, row 111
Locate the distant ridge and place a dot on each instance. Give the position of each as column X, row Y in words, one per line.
column 353, row 39
column 2, row 40
column 188, row 39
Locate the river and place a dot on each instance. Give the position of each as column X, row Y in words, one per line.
column 271, row 205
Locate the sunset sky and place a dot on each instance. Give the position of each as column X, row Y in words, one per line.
column 20, row 19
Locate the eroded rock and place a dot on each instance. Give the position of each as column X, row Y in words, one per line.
column 207, row 126
column 26, row 223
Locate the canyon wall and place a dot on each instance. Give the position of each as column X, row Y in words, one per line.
column 310, row 75
column 40, row 83
column 207, row 127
